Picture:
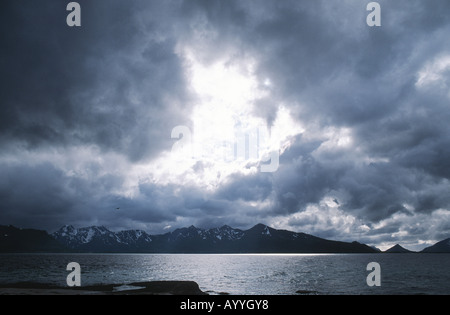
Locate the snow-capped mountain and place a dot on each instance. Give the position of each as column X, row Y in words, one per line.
column 70, row 235
column 258, row 239
column 133, row 237
column 225, row 239
column 99, row 238
column 224, row 233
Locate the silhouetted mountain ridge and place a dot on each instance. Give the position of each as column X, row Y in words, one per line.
column 16, row 240
column 398, row 249
column 440, row 247
column 225, row 239
column 258, row 239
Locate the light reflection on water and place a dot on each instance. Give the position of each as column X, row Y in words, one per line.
column 251, row 274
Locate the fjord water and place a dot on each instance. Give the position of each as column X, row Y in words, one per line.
column 242, row 274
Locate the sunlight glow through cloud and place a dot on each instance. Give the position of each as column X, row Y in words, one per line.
column 227, row 137
column 433, row 73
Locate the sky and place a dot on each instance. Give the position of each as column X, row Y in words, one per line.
column 156, row 115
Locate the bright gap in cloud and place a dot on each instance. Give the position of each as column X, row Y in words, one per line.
column 434, row 72
column 226, row 137
column 324, row 219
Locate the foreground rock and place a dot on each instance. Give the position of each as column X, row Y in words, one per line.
column 136, row 288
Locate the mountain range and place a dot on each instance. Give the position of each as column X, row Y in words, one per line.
column 258, row 239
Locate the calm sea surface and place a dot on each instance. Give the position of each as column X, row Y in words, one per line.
column 242, row 274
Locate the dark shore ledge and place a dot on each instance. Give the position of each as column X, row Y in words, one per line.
column 135, row 288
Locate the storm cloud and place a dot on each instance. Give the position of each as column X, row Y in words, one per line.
column 87, row 112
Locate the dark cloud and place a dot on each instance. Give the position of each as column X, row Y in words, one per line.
column 118, row 85
column 246, row 187
column 37, row 195
column 113, row 82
